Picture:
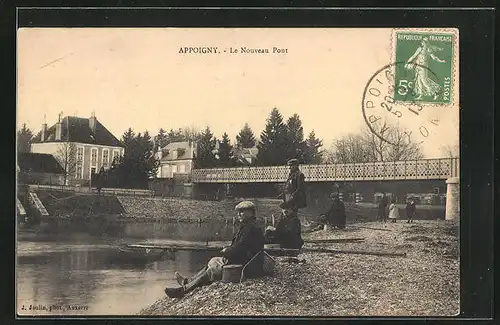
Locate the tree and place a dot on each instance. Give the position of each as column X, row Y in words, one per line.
column 191, row 134
column 313, row 153
column 137, row 166
column 450, row 151
column 175, row 136
column 128, row 137
column 161, row 140
column 272, row 144
column 352, row 148
column 246, row 138
column 24, row 139
column 398, row 145
column 206, row 150
column 226, row 158
column 368, row 147
column 66, row 156
column 295, row 145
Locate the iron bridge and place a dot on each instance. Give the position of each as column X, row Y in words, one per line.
column 435, row 169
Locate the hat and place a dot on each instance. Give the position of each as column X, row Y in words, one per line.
column 245, row 205
column 292, row 162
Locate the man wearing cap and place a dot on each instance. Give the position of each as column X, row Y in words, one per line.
column 247, row 242
column 288, row 230
column 294, row 195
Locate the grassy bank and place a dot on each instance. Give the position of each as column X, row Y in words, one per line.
column 424, row 283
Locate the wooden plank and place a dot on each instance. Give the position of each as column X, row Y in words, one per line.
column 270, row 250
column 341, row 251
column 334, row 240
column 381, row 229
column 177, row 247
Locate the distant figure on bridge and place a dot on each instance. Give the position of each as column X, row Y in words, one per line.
column 382, row 208
column 288, row 230
column 411, row 209
column 335, row 216
column 247, row 242
column 294, row 195
column 393, row 211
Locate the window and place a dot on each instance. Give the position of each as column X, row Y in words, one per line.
column 116, row 154
column 182, row 168
column 174, row 169
column 93, row 155
column 79, row 171
column 92, row 170
column 79, row 154
column 105, row 158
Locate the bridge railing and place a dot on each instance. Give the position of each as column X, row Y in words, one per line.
column 442, row 168
column 86, row 190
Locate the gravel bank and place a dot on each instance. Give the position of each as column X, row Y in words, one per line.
column 424, row 283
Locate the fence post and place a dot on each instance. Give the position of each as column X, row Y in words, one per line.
column 427, row 169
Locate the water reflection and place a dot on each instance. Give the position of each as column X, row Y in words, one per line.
column 53, row 270
column 181, row 231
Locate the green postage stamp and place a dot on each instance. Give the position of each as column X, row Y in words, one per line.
column 424, row 67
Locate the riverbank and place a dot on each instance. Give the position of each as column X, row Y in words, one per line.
column 78, row 206
column 424, row 283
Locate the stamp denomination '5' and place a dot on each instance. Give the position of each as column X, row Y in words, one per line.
column 426, row 74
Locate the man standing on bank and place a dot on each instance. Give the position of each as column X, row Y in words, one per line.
column 382, row 208
column 410, row 209
column 294, row 195
column 247, row 242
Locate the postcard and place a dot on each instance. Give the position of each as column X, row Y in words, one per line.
column 238, row 172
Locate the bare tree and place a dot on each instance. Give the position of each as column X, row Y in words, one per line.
column 450, row 151
column 66, row 156
column 392, row 144
column 352, row 148
column 191, row 133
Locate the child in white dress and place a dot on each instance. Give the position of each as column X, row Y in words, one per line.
column 393, row 211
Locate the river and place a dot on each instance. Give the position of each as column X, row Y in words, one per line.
column 63, row 266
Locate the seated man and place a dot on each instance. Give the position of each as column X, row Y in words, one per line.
column 335, row 216
column 288, row 230
column 247, row 242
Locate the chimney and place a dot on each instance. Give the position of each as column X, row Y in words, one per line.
column 58, row 130
column 44, row 132
column 92, row 122
column 194, row 149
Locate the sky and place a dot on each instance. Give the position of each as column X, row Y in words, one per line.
column 137, row 78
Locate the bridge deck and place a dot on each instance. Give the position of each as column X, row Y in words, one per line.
column 442, row 168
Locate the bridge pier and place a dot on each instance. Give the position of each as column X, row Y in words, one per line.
column 452, row 198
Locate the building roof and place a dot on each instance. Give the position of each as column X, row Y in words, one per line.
column 246, row 152
column 186, row 151
column 38, row 163
column 77, row 129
